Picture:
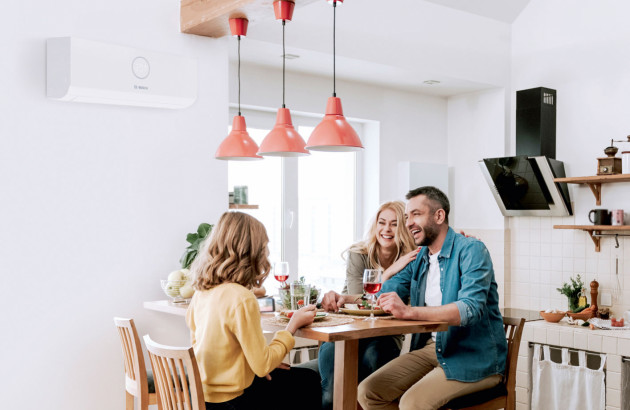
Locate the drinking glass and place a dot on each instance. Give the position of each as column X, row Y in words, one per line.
column 300, row 295
column 281, row 273
column 372, row 283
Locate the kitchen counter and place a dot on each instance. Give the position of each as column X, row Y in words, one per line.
column 615, row 343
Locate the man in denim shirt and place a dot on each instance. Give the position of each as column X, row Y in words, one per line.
column 451, row 280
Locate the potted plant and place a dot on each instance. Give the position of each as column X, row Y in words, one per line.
column 572, row 291
column 194, row 239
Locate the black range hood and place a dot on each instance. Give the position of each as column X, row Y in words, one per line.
column 523, row 184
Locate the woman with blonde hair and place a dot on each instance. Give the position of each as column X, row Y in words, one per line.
column 238, row 369
column 389, row 246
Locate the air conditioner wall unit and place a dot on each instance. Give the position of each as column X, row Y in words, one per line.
column 92, row 72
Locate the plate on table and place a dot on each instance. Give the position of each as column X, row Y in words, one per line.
column 362, row 312
column 319, row 316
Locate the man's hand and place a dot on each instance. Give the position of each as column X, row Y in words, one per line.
column 333, row 301
column 392, row 303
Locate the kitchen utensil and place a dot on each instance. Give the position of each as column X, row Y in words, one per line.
column 617, row 289
column 552, row 317
column 601, row 216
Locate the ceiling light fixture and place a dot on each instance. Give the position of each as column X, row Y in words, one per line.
column 334, row 133
column 283, row 140
column 238, row 145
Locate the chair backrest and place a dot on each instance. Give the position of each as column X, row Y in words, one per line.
column 513, row 332
column 176, row 374
column 135, row 370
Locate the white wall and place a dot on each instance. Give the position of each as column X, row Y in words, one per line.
column 580, row 51
column 96, row 201
column 476, row 130
column 412, row 126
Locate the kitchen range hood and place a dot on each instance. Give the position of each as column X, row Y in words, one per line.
column 523, row 185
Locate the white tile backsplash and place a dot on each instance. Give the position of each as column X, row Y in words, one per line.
column 547, row 258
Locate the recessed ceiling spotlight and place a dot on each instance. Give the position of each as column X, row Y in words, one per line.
column 430, row 82
column 290, row 56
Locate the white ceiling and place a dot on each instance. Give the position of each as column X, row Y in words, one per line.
column 464, row 44
column 502, row 10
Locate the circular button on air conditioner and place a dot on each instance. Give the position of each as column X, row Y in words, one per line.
column 140, row 67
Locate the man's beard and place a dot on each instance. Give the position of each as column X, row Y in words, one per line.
column 431, row 232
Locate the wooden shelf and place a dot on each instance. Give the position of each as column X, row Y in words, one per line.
column 210, row 17
column 595, row 182
column 243, row 206
column 594, row 230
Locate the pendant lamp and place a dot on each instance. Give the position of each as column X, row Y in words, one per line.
column 238, row 145
column 334, row 133
column 283, row 140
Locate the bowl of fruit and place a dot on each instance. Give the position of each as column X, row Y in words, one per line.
column 584, row 314
column 178, row 286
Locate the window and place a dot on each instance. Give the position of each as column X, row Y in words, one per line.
column 307, row 204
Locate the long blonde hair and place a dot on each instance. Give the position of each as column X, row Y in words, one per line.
column 370, row 246
column 235, row 252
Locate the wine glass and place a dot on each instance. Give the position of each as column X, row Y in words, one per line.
column 372, row 285
column 281, row 273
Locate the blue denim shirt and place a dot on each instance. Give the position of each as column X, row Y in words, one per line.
column 477, row 347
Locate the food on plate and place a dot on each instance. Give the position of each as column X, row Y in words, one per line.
column 352, row 306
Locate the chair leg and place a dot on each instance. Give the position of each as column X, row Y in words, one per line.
column 128, row 401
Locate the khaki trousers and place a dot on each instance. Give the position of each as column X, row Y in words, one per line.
column 415, row 381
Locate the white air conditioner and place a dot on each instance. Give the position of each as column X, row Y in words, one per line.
column 88, row 71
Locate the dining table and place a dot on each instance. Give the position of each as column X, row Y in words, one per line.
column 346, row 338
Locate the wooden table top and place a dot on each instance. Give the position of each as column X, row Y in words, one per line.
column 360, row 329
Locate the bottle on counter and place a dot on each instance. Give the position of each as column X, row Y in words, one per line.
column 582, row 299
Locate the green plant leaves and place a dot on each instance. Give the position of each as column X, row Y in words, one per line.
column 204, row 229
column 195, row 240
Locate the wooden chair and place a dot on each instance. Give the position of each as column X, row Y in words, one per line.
column 138, row 383
column 502, row 396
column 177, row 379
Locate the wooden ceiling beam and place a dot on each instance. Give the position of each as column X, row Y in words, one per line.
column 210, row 18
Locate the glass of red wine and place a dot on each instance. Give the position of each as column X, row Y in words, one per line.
column 372, row 283
column 281, row 273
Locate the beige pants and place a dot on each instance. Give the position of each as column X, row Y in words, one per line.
column 415, row 381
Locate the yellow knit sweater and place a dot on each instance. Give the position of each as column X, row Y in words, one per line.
column 228, row 341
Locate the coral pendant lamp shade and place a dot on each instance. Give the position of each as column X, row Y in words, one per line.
column 334, row 134
column 283, row 140
column 238, row 145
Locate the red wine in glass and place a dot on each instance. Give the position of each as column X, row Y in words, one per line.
column 372, row 288
column 281, row 278
column 372, row 283
column 281, row 273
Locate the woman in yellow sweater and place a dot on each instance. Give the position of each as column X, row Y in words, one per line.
column 238, row 369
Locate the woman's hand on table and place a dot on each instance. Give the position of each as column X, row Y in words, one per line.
column 392, row 303
column 302, row 317
column 400, row 264
column 333, row 301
